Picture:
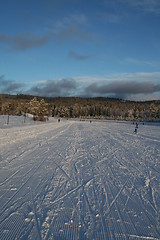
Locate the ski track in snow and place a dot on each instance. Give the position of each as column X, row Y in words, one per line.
column 79, row 180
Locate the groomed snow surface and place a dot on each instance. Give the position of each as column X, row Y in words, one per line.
column 79, row 180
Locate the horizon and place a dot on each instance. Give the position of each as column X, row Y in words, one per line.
column 81, row 49
column 78, row 97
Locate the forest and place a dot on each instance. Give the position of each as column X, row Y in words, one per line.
column 76, row 107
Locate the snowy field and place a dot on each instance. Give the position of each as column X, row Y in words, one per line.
column 79, row 180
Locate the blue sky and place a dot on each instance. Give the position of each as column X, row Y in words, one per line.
column 82, row 48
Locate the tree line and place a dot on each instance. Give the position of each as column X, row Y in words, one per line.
column 76, row 107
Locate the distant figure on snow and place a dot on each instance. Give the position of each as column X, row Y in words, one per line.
column 135, row 130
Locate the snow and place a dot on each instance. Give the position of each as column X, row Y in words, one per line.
column 79, row 180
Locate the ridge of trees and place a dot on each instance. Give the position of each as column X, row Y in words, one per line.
column 77, row 107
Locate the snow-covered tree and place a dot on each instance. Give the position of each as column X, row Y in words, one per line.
column 38, row 109
column 34, row 107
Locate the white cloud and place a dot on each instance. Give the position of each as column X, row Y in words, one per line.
column 150, row 63
column 152, row 6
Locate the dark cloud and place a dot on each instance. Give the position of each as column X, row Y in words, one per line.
column 122, row 89
column 9, row 86
column 24, row 41
column 79, row 57
column 52, row 88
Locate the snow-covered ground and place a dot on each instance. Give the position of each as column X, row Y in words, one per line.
column 79, row 180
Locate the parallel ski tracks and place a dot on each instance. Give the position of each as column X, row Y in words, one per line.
column 79, row 182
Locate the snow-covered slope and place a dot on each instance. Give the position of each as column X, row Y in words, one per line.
column 79, row 180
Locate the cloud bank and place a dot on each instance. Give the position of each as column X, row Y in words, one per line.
column 126, row 86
